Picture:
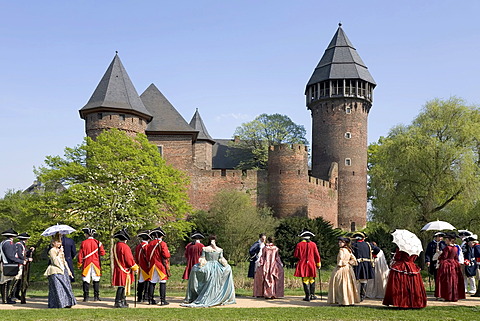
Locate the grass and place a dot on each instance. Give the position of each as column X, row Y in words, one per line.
column 314, row 313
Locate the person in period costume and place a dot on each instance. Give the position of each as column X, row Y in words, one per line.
column 269, row 275
column 476, row 253
column 449, row 284
column 365, row 253
column 211, row 280
column 70, row 252
column 60, row 294
column 89, row 262
column 255, row 253
column 376, row 287
column 435, row 246
column 22, row 278
column 124, row 267
column 308, row 257
column 143, row 262
column 8, row 255
column 193, row 251
column 471, row 266
column 342, row 288
column 405, row 288
column 159, row 264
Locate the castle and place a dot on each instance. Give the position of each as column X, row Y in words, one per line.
column 339, row 96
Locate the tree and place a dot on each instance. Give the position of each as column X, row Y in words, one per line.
column 236, row 222
column 115, row 181
column 261, row 133
column 420, row 172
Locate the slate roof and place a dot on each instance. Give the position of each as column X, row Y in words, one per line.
column 225, row 156
column 340, row 61
column 165, row 117
column 197, row 124
column 116, row 92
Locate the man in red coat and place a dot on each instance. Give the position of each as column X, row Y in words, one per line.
column 124, row 267
column 159, row 264
column 193, row 251
column 142, row 260
column 308, row 261
column 89, row 262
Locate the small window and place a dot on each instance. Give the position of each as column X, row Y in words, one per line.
column 348, row 110
column 348, row 162
column 122, row 116
column 160, row 150
column 224, row 172
column 352, row 227
column 348, row 135
column 100, row 115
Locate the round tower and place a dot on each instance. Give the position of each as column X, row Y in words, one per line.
column 339, row 95
column 287, row 176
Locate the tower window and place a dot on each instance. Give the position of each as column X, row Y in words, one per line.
column 160, row 150
column 100, row 115
column 348, row 135
column 352, row 227
column 122, row 116
column 348, row 162
column 348, row 110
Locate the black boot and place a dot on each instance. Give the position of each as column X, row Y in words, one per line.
column 7, row 293
column 146, row 286
column 125, row 304
column 151, row 294
column 119, row 298
column 86, row 288
column 140, row 288
column 306, row 289
column 312, row 291
column 477, row 294
column 96, row 291
column 18, row 286
column 3, row 287
column 363, row 293
column 163, row 294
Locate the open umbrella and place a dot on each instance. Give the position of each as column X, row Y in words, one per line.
column 438, row 226
column 59, row 228
column 407, row 242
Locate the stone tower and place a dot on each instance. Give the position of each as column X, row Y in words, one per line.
column 339, row 96
column 203, row 147
column 115, row 104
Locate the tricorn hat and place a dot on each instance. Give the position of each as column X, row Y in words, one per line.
column 344, row 239
column 23, row 236
column 359, row 235
column 197, row 235
column 306, row 234
column 157, row 232
column 439, row 234
column 144, row 235
column 464, row 233
column 10, row 233
column 470, row 238
column 451, row 235
column 122, row 235
column 89, row 231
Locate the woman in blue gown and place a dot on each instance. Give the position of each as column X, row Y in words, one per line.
column 211, row 281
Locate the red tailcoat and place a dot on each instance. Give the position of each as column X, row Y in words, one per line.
column 308, row 259
column 123, row 265
column 142, row 259
column 193, row 251
column 158, row 256
column 89, row 254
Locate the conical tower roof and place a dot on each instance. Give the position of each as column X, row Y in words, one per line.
column 197, row 124
column 165, row 117
column 116, row 92
column 340, row 61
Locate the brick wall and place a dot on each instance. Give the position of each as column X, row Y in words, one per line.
column 202, row 154
column 322, row 200
column 177, row 150
column 98, row 121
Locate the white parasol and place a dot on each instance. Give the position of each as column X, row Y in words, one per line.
column 59, row 228
column 438, row 226
column 407, row 242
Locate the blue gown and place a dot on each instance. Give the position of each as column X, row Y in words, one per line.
column 210, row 283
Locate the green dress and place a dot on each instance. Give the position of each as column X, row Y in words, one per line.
column 211, row 281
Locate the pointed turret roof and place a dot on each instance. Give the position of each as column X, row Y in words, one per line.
column 340, row 61
column 116, row 92
column 165, row 117
column 197, row 124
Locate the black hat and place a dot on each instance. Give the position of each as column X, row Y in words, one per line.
column 23, row 236
column 359, row 235
column 470, row 238
column 197, row 235
column 89, row 231
column 451, row 235
column 122, row 235
column 157, row 232
column 144, row 235
column 439, row 234
column 344, row 239
column 10, row 233
column 306, row 234
column 464, row 233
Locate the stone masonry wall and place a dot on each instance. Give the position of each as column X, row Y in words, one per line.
column 177, row 150
column 322, row 200
column 96, row 122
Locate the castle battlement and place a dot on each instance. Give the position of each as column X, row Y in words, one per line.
column 320, row 182
column 229, row 173
column 288, row 147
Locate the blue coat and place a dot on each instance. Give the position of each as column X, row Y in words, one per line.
column 9, row 250
column 70, row 252
column 364, row 253
column 254, row 251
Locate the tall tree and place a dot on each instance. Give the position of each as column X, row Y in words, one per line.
column 115, row 181
column 419, row 171
column 261, row 133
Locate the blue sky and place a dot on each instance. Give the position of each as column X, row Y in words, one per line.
column 233, row 60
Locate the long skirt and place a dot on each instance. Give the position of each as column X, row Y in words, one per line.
column 342, row 288
column 60, row 294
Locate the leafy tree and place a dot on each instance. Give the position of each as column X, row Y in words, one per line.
column 236, row 222
column 421, row 172
column 286, row 235
column 261, row 133
column 115, row 181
